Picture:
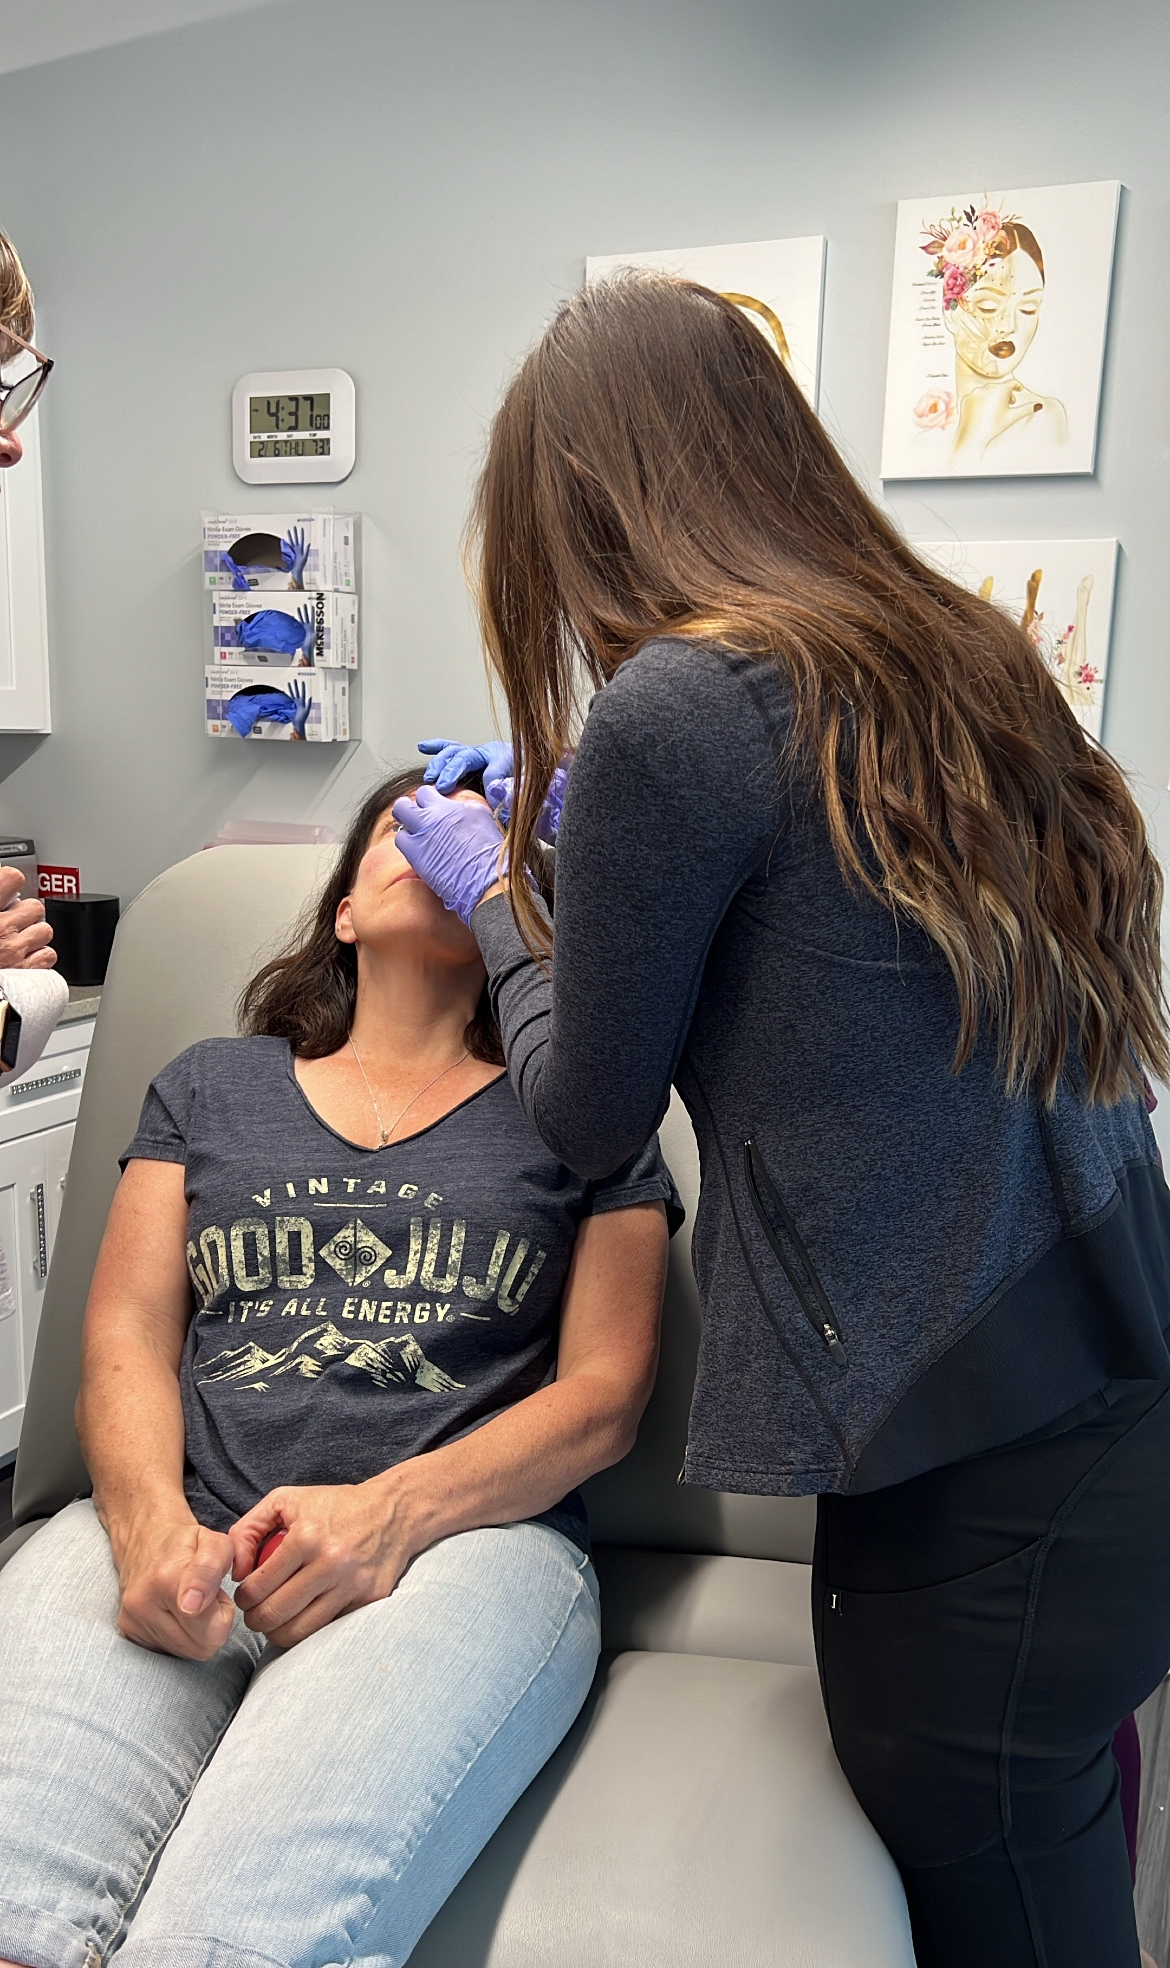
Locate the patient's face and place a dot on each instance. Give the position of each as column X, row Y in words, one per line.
column 388, row 901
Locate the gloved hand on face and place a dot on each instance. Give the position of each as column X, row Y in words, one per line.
column 453, row 762
column 452, row 845
column 272, row 629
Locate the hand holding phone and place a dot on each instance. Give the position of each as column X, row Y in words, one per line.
column 25, row 936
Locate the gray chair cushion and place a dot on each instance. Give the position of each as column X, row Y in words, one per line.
column 695, row 1815
column 666, row 1602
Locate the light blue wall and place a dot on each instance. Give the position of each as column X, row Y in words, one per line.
column 405, row 190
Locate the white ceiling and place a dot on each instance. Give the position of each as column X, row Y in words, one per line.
column 33, row 31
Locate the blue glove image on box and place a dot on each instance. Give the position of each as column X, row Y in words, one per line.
column 317, row 629
column 257, row 552
column 241, row 702
column 281, row 551
column 283, row 635
column 275, row 706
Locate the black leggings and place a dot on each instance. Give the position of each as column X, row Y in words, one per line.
column 981, row 1632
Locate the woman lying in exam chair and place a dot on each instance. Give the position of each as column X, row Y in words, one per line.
column 346, row 1294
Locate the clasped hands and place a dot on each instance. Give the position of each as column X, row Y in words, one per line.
column 346, row 1546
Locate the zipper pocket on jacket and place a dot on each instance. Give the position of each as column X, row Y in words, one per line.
column 790, row 1253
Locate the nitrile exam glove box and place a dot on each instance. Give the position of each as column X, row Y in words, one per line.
column 317, row 627
column 275, row 553
column 284, row 703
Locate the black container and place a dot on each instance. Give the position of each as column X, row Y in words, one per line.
column 83, row 934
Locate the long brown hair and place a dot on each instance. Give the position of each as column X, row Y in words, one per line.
column 654, row 470
column 307, row 994
column 16, row 298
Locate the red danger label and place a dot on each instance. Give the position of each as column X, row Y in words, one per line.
column 59, row 881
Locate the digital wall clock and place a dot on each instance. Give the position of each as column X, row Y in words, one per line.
column 294, row 426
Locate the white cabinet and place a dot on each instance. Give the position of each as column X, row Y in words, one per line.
column 32, row 1180
column 36, row 1135
column 24, row 640
column 49, row 1092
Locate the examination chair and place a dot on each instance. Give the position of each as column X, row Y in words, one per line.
column 695, row 1816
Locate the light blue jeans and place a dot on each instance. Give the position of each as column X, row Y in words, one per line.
column 302, row 1808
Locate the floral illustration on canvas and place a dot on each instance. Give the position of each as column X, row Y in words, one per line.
column 991, row 272
column 998, row 315
column 965, row 247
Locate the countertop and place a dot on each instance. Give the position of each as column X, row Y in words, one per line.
column 84, row 1000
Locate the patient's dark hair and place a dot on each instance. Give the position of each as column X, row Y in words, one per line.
column 307, row 994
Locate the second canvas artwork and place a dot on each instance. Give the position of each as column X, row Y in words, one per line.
column 1061, row 594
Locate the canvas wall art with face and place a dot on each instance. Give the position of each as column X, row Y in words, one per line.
column 1061, row 594
column 779, row 284
column 997, row 332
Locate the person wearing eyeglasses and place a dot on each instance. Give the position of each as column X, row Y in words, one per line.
column 24, row 371
column 32, row 996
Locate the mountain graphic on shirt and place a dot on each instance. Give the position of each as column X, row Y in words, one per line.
column 394, row 1361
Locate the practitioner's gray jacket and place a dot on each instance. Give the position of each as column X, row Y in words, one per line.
column 898, row 1266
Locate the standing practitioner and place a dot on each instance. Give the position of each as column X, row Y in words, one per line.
column 837, row 860
column 32, row 997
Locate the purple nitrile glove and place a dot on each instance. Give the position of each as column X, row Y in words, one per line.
column 548, row 824
column 452, row 845
column 451, row 762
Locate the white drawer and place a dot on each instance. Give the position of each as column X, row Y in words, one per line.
column 68, row 1037
column 47, row 1094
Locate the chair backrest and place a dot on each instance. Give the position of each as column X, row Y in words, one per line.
column 183, row 951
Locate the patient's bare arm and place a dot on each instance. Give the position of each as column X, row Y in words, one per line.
column 350, row 1544
column 130, row 1421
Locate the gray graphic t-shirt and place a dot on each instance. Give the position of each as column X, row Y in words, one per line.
column 358, row 1306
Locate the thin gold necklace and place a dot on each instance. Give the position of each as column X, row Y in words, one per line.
column 384, row 1132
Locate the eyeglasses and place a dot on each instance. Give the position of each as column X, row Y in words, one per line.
column 18, row 397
